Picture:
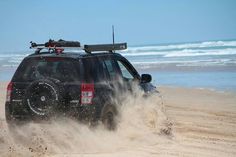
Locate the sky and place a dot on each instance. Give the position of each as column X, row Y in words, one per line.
column 137, row 22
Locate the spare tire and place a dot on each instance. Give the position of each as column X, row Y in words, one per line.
column 43, row 97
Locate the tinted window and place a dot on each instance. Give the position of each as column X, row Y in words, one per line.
column 93, row 70
column 39, row 68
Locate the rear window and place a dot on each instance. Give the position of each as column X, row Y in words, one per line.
column 48, row 67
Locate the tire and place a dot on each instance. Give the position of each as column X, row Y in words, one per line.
column 43, row 97
column 108, row 117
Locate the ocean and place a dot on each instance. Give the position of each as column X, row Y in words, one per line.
column 209, row 64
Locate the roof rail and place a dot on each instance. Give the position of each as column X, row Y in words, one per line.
column 54, row 46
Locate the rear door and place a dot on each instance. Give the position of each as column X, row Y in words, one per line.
column 35, row 68
column 94, row 72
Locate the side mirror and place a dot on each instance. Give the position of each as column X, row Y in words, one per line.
column 146, row 78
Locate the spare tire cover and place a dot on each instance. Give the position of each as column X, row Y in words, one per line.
column 43, row 96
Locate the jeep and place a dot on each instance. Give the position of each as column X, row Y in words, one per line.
column 56, row 81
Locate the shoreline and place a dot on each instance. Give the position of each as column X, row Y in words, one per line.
column 219, row 81
column 210, row 77
column 233, row 92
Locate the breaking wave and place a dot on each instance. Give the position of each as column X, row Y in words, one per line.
column 216, row 52
column 208, row 44
column 191, row 53
column 184, row 53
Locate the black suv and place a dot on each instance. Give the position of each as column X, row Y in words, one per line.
column 84, row 84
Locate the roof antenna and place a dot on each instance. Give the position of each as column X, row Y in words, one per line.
column 113, row 36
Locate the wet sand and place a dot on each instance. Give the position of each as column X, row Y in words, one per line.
column 201, row 122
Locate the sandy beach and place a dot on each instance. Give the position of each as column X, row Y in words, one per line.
column 201, row 122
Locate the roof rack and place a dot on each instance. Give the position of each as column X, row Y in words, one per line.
column 105, row 47
column 60, row 45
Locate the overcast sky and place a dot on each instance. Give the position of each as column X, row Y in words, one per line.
column 136, row 21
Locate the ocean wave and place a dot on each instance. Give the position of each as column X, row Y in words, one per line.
column 149, row 53
column 202, row 62
column 192, row 53
column 10, row 65
column 184, row 52
column 15, row 61
column 208, row 44
column 13, row 55
column 211, row 52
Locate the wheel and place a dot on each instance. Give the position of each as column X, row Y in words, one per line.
column 42, row 97
column 108, row 117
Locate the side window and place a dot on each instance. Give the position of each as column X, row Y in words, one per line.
column 66, row 71
column 109, row 64
column 93, row 70
column 125, row 71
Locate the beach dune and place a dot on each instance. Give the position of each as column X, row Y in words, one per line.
column 201, row 123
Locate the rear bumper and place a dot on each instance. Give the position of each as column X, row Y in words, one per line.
column 20, row 111
column 87, row 112
column 15, row 111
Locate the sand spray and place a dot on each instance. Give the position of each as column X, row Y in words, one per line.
column 142, row 121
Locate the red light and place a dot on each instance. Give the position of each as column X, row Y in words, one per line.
column 59, row 50
column 87, row 86
column 87, row 93
column 9, row 87
column 53, row 59
column 9, row 90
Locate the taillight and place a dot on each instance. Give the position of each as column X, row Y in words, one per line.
column 9, row 90
column 87, row 93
